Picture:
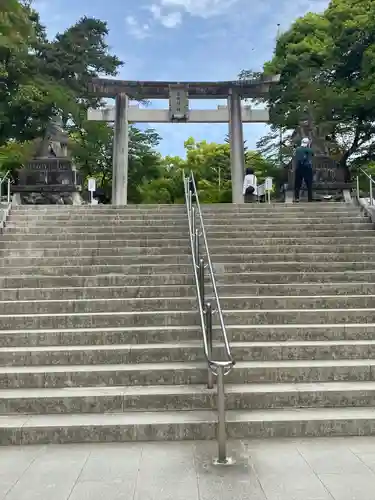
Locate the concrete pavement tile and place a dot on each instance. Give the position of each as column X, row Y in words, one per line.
column 268, row 463
column 14, row 461
column 5, row 486
column 167, row 473
column 358, row 445
column 51, row 476
column 350, row 486
column 332, row 461
column 297, row 487
column 216, row 482
column 111, row 462
column 94, row 490
column 368, row 459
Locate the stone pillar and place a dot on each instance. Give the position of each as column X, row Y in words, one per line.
column 237, row 154
column 120, row 152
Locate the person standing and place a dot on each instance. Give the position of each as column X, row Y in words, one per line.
column 249, row 190
column 304, row 169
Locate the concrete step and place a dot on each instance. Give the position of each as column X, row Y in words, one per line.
column 190, row 397
column 174, row 269
column 181, row 229
column 175, row 373
column 321, row 249
column 295, row 277
column 185, row 425
column 106, row 305
column 245, row 233
column 96, row 270
column 184, row 351
column 112, row 217
column 115, row 292
column 127, row 292
column 40, row 281
column 119, row 251
column 95, row 209
column 82, row 226
column 185, row 259
column 124, row 229
column 256, row 243
column 180, row 222
column 132, row 237
column 296, row 257
column 215, row 251
column 92, row 245
column 117, row 260
column 99, row 319
column 189, row 303
column 218, row 218
column 206, row 208
column 171, row 334
column 252, row 278
column 185, row 318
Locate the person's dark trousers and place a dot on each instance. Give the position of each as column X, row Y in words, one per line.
column 303, row 174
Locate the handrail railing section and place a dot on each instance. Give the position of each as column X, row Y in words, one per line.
column 220, row 368
column 371, row 184
column 4, row 181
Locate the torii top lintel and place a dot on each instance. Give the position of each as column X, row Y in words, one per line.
column 252, row 88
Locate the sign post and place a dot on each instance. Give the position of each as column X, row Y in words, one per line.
column 92, row 188
column 268, row 186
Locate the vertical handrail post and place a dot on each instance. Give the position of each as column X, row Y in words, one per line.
column 208, row 312
column 193, row 224
column 8, row 197
column 357, row 187
column 201, row 280
column 196, row 244
column 371, row 196
column 222, row 458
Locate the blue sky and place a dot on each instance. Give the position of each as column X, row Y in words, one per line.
column 186, row 40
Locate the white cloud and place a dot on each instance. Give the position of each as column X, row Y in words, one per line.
column 168, row 20
column 201, row 8
column 136, row 29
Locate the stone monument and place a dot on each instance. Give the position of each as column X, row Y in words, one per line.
column 330, row 179
column 50, row 177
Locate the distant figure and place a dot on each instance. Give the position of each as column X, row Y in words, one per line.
column 192, row 188
column 249, row 190
column 304, row 171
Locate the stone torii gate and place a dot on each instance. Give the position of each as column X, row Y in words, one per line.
column 178, row 95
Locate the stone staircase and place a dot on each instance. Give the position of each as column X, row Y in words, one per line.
column 99, row 332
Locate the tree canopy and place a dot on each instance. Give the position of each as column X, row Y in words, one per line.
column 327, row 68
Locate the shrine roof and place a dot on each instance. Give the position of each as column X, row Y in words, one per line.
column 252, row 88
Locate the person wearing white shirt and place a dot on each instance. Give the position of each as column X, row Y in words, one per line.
column 249, row 190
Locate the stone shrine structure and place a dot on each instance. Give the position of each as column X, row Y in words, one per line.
column 178, row 94
column 329, row 178
column 50, row 177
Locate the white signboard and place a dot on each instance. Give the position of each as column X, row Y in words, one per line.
column 92, row 185
column 268, row 184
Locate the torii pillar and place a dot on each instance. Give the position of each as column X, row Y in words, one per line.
column 120, row 152
column 237, row 152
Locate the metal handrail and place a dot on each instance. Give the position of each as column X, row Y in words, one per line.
column 215, row 367
column 372, row 181
column 3, row 179
column 211, row 274
column 4, row 212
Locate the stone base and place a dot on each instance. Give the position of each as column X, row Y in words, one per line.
column 35, row 198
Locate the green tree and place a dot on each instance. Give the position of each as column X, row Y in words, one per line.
column 92, row 150
column 326, row 62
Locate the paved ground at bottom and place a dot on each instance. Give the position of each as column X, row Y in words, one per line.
column 308, row 469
